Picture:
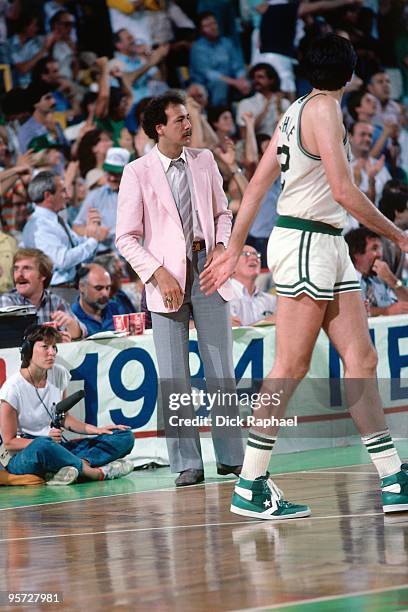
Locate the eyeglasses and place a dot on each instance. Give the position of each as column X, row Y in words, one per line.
column 249, row 253
column 67, row 24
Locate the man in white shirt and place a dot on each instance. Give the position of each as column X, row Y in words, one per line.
column 251, row 305
column 370, row 174
column 267, row 104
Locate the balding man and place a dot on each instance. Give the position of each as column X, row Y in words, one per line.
column 94, row 308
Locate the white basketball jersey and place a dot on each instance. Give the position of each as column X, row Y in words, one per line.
column 305, row 191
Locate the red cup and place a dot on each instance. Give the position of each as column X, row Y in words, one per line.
column 50, row 324
column 136, row 323
column 121, row 323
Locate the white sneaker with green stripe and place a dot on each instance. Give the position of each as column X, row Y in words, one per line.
column 262, row 499
column 394, row 491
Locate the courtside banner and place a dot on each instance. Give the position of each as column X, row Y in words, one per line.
column 120, row 379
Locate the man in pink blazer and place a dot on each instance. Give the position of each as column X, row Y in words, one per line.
column 172, row 220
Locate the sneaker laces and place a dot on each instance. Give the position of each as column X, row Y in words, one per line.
column 277, row 494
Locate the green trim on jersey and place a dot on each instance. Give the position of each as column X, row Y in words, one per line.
column 298, row 135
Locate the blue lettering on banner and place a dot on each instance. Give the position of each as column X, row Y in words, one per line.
column 397, row 361
column 88, row 372
column 146, row 390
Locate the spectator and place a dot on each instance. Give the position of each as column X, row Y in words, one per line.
column 138, row 65
column 47, row 154
column 203, row 135
column 370, row 174
column 47, row 231
column 47, row 71
column 94, row 308
column 388, row 111
column 384, row 292
column 114, row 266
column 251, row 305
column 64, row 48
column 92, row 150
column 32, row 272
column 214, row 63
column 26, row 48
column 105, row 199
column 267, row 104
column 142, row 143
column 113, row 120
column 393, row 205
column 36, row 446
column 15, row 111
column 267, row 215
column 226, row 16
column 131, row 16
column 8, row 246
column 43, row 103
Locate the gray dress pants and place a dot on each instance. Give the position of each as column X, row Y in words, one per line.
column 211, row 316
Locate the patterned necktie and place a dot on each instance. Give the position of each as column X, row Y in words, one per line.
column 184, row 205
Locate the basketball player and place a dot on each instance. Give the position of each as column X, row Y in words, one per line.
column 315, row 280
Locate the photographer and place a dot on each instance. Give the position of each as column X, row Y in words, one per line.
column 28, row 401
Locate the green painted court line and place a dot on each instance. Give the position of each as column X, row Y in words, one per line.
column 388, row 600
column 162, row 478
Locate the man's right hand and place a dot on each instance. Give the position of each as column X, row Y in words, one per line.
column 170, row 289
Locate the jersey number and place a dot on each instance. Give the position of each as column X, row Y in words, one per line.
column 284, row 150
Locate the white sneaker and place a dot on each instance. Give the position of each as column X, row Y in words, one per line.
column 65, row 476
column 117, row 469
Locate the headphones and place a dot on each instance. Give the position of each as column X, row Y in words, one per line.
column 26, row 349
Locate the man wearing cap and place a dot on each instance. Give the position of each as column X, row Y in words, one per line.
column 52, row 157
column 173, row 219
column 105, row 198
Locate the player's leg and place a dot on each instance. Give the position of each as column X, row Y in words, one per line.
column 346, row 325
column 298, row 322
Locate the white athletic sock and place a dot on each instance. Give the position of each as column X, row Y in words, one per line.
column 257, row 455
column 383, row 452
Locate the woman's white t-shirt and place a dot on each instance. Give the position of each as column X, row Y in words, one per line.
column 32, row 415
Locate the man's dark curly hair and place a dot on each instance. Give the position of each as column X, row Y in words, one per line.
column 155, row 112
column 357, row 240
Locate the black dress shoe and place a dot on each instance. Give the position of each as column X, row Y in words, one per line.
column 189, row 477
column 223, row 470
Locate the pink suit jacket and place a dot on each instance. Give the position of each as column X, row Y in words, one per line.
column 147, row 214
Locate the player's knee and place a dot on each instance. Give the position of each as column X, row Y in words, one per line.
column 295, row 368
column 370, row 359
column 362, row 363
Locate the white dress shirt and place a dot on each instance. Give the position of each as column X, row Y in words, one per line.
column 172, row 175
column 251, row 308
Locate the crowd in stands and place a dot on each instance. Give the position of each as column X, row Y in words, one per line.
column 75, row 79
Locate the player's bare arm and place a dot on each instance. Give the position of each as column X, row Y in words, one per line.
column 217, row 272
column 327, row 131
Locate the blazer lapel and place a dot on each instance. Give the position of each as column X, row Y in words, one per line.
column 159, row 183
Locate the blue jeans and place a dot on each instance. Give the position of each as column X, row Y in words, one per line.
column 44, row 455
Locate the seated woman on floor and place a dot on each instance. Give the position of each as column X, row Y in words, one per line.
column 28, row 401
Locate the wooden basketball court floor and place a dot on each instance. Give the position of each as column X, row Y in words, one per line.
column 139, row 544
